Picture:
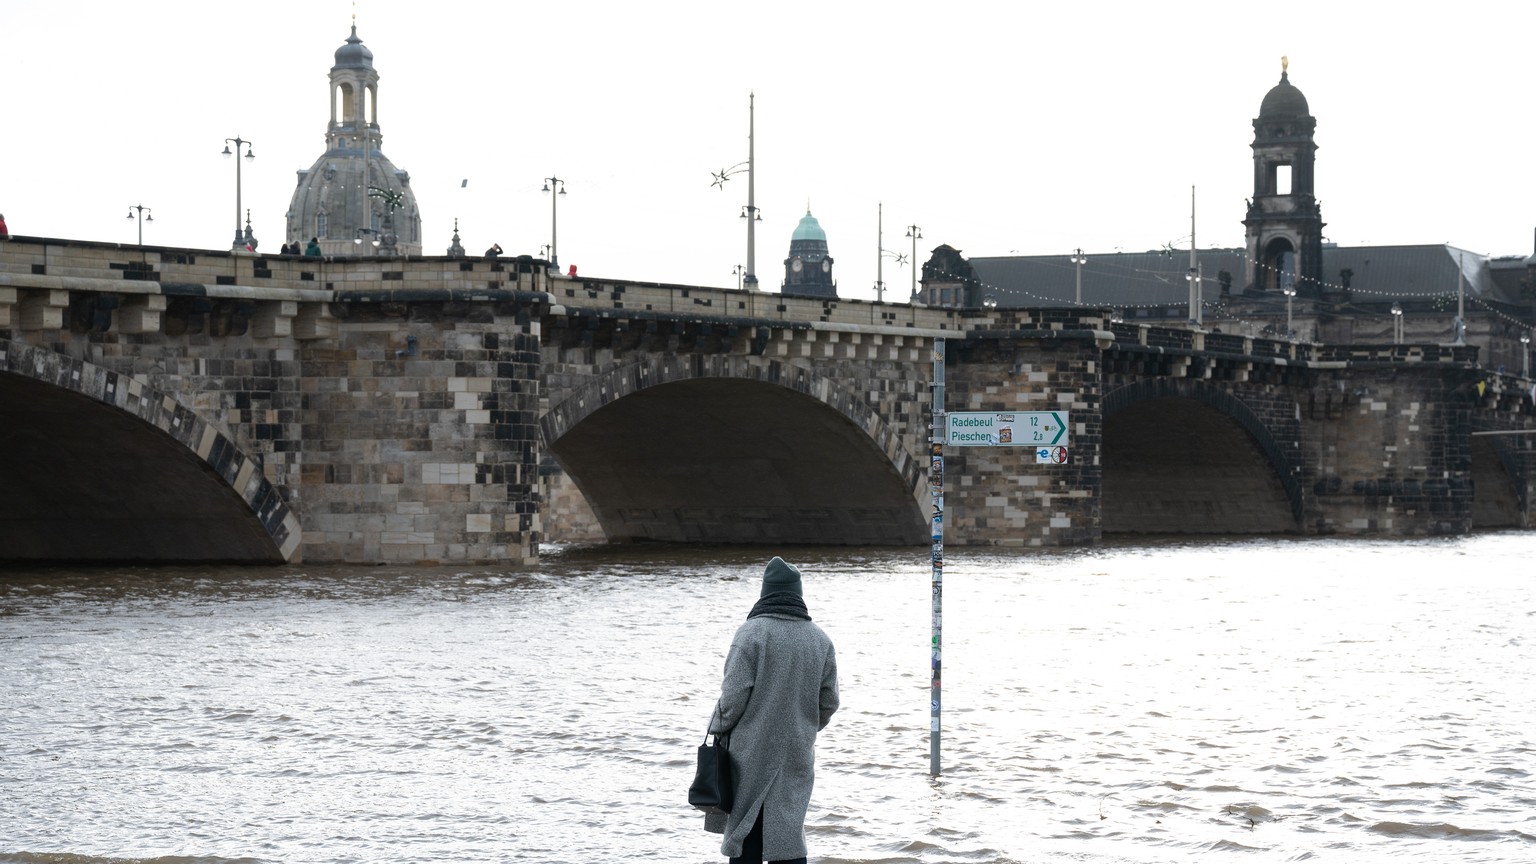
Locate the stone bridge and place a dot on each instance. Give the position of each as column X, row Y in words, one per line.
column 162, row 404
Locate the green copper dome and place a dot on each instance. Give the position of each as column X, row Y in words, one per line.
column 808, row 229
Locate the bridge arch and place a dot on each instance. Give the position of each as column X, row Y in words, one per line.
column 100, row 467
column 1185, row 456
column 1500, row 491
column 735, row 449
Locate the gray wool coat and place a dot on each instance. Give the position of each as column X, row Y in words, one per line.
column 780, row 689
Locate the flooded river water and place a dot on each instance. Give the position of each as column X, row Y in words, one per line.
column 1258, row 700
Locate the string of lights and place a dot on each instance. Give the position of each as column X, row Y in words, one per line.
column 1129, row 273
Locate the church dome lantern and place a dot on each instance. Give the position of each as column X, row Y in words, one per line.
column 353, row 54
column 353, row 200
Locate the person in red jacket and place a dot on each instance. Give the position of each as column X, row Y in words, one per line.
column 5, row 233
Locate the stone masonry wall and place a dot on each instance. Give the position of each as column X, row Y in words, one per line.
column 1386, row 451
column 1001, row 496
column 423, row 440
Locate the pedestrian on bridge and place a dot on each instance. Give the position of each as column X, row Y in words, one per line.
column 780, row 689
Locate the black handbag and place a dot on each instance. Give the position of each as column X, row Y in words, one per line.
column 714, row 781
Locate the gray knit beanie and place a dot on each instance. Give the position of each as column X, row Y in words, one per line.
column 781, row 576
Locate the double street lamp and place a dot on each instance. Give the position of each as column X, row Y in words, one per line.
column 885, row 253
column 1397, row 324
column 554, row 198
column 240, row 239
column 915, row 234
column 749, row 212
column 144, row 214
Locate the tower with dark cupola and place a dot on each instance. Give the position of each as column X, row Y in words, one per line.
column 808, row 269
column 353, row 199
column 1285, row 221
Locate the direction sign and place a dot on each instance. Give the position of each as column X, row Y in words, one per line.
column 1000, row 428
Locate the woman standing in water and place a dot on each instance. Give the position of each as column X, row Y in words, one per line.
column 780, row 689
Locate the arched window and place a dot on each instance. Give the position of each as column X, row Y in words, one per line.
column 345, row 102
column 1279, row 265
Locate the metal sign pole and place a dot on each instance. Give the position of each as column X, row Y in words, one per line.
column 936, row 486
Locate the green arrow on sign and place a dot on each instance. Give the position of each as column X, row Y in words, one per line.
column 1060, row 427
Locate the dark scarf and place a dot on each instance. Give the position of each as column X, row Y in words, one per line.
column 780, row 603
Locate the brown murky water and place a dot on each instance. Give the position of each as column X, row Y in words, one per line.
column 1269, row 700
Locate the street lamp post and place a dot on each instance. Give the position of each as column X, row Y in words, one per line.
column 1397, row 324
column 1079, row 259
column 1525, row 354
column 884, row 254
column 144, row 214
column 238, row 142
column 1290, row 295
column 556, row 192
column 749, row 212
column 916, row 234
column 738, row 270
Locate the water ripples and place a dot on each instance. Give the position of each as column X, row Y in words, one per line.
column 1281, row 700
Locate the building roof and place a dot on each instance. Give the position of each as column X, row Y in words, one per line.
column 1158, row 277
column 1407, row 272
column 808, row 229
column 354, row 54
column 1284, row 100
column 1120, row 279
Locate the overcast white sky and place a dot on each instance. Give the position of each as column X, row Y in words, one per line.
column 997, row 128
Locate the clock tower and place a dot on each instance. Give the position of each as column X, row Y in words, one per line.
column 808, row 269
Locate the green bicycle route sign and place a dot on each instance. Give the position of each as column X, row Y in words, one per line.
column 1004, row 428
